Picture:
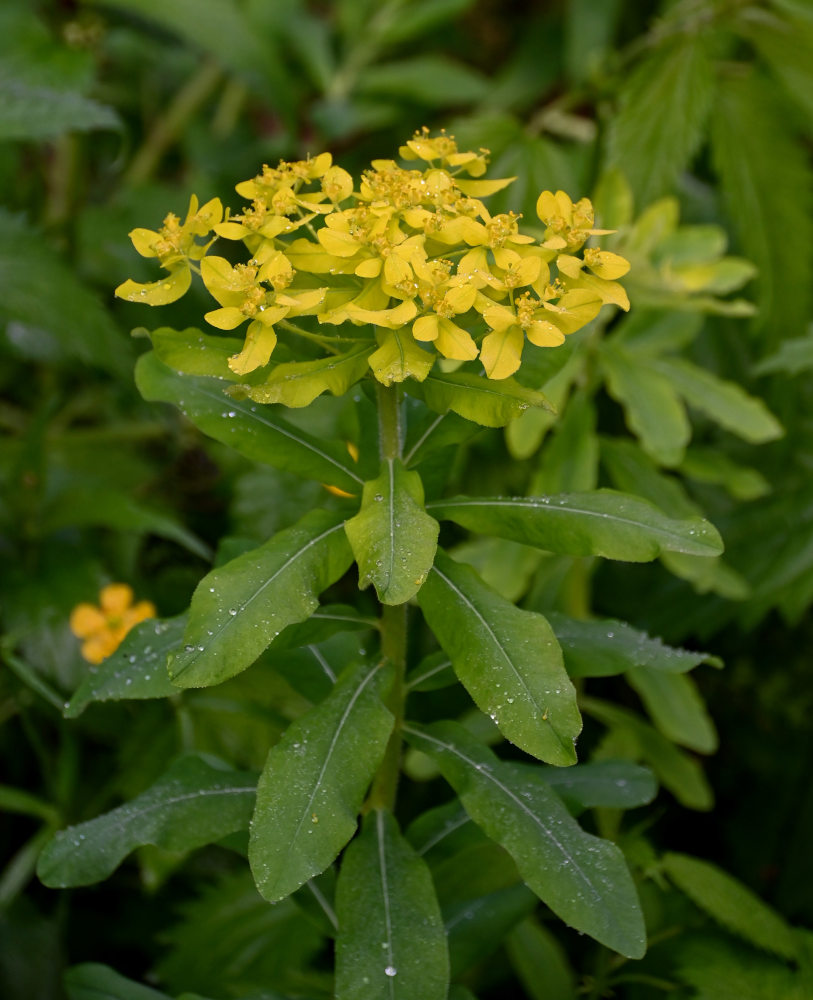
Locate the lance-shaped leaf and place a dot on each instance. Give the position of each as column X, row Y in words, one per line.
column 195, row 803
column 676, row 708
column 617, row 784
column 492, row 404
column 314, row 781
column 91, row 981
column 298, row 383
column 250, row 428
column 606, row 647
column 602, row 523
column 238, row 609
column 477, row 927
column 138, row 668
column 508, row 660
column 393, row 538
column 582, row 878
column 391, row 941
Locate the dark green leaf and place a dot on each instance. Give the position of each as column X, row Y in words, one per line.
column 433, row 672
column 392, row 537
column 482, row 400
column 91, row 981
column 391, row 940
column 137, row 669
column 602, row 523
column 193, row 804
column 35, row 112
column 676, row 707
column 314, row 782
column 508, row 660
column 239, row 609
column 616, row 784
column 476, row 927
column 432, row 80
column 793, row 356
column 583, row 879
column 250, row 428
column 540, row 962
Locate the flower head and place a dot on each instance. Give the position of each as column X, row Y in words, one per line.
column 104, row 627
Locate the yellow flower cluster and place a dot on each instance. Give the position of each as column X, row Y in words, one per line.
column 413, row 254
column 103, row 628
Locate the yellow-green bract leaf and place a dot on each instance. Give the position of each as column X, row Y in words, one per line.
column 582, row 878
column 602, row 523
column 398, row 357
column 255, row 431
column 239, row 609
column 724, row 402
column 391, row 941
column 676, row 707
column 731, row 904
column 392, row 537
column 492, row 404
column 298, row 383
column 158, row 293
column 314, row 782
column 508, row 660
column 137, row 669
column 193, row 804
column 193, row 352
column 651, row 405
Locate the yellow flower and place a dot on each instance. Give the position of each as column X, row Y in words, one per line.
column 568, row 225
column 104, row 627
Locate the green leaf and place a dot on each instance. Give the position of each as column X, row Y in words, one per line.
column 195, row 803
column 582, row 878
column 432, row 673
column 138, row 668
column 709, row 465
column 91, row 981
column 391, row 940
column 664, row 104
column 431, row 80
column 730, row 903
column 794, row 356
column 570, row 460
column 606, row 647
column 31, row 112
column 767, row 190
column 540, row 962
column 399, row 357
column 239, row 609
column 251, row 429
column 724, row 402
column 787, row 46
column 508, row 660
column 314, row 781
column 419, row 17
column 476, row 927
column 429, row 431
column 674, row 769
column 482, row 400
column 676, row 708
column 393, row 538
column 603, row 523
column 193, row 352
column 653, row 410
column 298, row 383
column 721, row 969
column 616, row 784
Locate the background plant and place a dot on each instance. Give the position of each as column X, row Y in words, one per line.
column 613, row 74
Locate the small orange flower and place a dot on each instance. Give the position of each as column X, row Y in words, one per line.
column 103, row 628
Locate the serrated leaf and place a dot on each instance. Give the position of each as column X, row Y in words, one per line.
column 250, row 428
column 239, row 609
column 664, row 104
column 314, row 781
column 724, row 402
column 582, row 878
column 393, row 538
column 653, row 410
column 508, row 660
column 298, row 383
column 606, row 647
column 730, row 903
column 673, row 768
column 137, row 669
column 193, row 804
column 675, row 706
column 602, row 523
column 491, row 404
column 31, row 112
column 391, row 940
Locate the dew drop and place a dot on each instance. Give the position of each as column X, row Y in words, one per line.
column 390, row 971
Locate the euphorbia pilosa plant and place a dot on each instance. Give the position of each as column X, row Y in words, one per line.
column 399, row 282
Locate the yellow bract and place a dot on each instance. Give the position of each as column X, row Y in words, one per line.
column 411, row 253
column 102, row 628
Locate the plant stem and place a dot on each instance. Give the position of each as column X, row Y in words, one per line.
column 393, row 618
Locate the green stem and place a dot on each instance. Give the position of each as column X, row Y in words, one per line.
column 390, row 431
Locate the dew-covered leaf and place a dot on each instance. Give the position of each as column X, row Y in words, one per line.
column 193, row 352
column 314, row 781
column 238, row 609
column 601, row 523
column 391, row 941
column 393, row 538
column 582, row 878
column 508, row 659
column 195, row 803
